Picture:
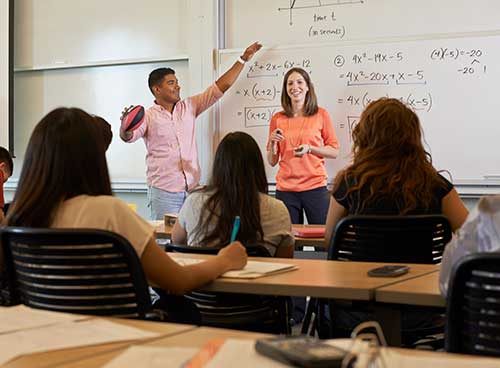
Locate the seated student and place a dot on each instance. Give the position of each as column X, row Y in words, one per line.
column 65, row 183
column 480, row 233
column 391, row 174
column 238, row 187
column 6, row 169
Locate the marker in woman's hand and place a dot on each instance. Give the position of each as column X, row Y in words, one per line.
column 275, row 143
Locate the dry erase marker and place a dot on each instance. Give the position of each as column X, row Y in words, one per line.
column 236, row 228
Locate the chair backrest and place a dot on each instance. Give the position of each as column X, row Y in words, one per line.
column 239, row 311
column 409, row 239
column 473, row 307
column 83, row 271
column 253, row 250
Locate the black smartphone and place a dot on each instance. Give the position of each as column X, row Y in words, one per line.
column 301, row 351
column 389, row 271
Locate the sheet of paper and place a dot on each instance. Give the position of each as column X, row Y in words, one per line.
column 66, row 335
column 152, row 357
column 21, row 317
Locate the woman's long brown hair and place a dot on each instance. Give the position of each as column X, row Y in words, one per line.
column 389, row 158
column 65, row 158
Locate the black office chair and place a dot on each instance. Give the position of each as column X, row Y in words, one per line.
column 399, row 239
column 403, row 239
column 260, row 313
column 81, row 271
column 473, row 308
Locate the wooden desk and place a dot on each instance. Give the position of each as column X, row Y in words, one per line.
column 423, row 290
column 56, row 357
column 315, row 242
column 163, row 231
column 198, row 337
column 195, row 337
column 316, row 278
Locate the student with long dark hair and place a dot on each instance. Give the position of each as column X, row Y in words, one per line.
column 65, row 183
column 238, row 187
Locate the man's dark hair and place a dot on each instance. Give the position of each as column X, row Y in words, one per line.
column 157, row 75
column 7, row 158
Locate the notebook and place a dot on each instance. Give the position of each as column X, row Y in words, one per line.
column 309, row 232
column 252, row 270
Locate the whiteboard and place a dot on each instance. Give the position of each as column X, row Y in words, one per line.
column 286, row 22
column 69, row 32
column 101, row 91
column 450, row 82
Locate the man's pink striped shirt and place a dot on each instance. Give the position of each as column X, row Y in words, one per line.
column 172, row 155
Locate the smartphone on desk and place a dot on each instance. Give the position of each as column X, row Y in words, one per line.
column 301, row 351
column 389, row 271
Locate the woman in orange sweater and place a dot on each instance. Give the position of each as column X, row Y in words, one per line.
column 300, row 138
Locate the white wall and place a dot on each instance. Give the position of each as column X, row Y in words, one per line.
column 175, row 33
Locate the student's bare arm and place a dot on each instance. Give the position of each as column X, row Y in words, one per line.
column 163, row 271
column 335, row 212
column 179, row 234
column 454, row 209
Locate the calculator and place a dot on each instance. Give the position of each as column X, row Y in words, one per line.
column 301, row 351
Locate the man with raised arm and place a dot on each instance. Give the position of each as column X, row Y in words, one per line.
column 169, row 133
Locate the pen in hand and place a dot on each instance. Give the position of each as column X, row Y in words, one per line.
column 236, row 228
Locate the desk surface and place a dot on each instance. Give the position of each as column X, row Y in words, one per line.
column 316, row 278
column 197, row 337
column 51, row 358
column 194, row 337
column 165, row 232
column 423, row 290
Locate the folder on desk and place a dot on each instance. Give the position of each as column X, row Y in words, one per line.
column 309, row 232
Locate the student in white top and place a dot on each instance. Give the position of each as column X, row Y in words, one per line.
column 479, row 234
column 238, row 187
column 65, row 183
